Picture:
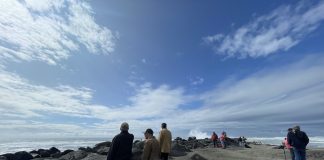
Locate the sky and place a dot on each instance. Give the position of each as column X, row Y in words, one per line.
column 72, row 68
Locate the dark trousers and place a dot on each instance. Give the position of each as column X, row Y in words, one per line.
column 164, row 156
column 300, row 154
column 292, row 154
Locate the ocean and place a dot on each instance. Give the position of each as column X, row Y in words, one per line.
column 12, row 146
column 314, row 142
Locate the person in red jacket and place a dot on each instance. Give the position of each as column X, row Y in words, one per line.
column 223, row 139
column 288, row 146
column 214, row 138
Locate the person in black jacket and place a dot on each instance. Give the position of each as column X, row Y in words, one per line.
column 121, row 147
column 298, row 140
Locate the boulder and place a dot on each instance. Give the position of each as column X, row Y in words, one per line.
column 66, row 152
column 137, row 150
column 44, row 153
column 54, row 150
column 178, row 150
column 102, row 144
column 75, row 155
column 191, row 138
column 95, row 156
column 3, row 158
column 88, row 149
column 103, row 150
column 8, row 156
column 23, row 155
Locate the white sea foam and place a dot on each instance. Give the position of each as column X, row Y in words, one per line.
column 61, row 144
column 314, row 142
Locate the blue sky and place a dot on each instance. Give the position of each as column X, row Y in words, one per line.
column 80, row 68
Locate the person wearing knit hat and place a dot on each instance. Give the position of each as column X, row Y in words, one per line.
column 121, row 147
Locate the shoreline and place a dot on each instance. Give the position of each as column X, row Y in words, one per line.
column 181, row 150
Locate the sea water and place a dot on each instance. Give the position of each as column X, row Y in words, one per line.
column 12, row 146
column 314, row 142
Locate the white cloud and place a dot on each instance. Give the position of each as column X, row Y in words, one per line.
column 197, row 81
column 279, row 30
column 50, row 31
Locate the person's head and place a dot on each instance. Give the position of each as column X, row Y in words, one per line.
column 296, row 128
column 124, row 127
column 164, row 125
column 290, row 129
column 148, row 133
column 214, row 133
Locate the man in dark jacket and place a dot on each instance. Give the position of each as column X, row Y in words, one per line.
column 298, row 140
column 121, row 147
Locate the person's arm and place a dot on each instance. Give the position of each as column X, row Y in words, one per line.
column 112, row 149
column 306, row 139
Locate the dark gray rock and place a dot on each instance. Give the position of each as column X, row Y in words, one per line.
column 23, row 155
column 178, row 150
column 95, row 156
column 137, row 150
column 102, row 144
column 75, row 155
column 191, row 138
column 44, row 153
column 88, row 149
column 66, row 152
column 8, row 156
column 103, row 150
column 3, row 158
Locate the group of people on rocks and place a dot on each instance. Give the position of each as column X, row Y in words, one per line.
column 154, row 149
column 222, row 139
column 296, row 142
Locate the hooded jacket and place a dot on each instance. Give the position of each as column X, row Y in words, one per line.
column 298, row 140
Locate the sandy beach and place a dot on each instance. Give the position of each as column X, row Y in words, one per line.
column 256, row 152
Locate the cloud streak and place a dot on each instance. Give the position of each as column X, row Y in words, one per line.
column 275, row 97
column 279, row 30
column 50, row 31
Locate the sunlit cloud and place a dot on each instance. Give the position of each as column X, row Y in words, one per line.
column 50, row 31
column 279, row 30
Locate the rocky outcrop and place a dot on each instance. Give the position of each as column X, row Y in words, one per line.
column 180, row 147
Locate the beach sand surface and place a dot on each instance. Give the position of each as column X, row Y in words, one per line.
column 257, row 152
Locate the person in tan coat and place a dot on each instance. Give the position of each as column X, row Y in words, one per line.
column 165, row 140
column 151, row 146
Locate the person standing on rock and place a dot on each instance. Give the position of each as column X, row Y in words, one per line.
column 223, row 139
column 298, row 140
column 288, row 146
column 121, row 147
column 214, row 138
column 165, row 140
column 151, row 146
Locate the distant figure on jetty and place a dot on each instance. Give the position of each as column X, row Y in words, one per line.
column 165, row 140
column 298, row 140
column 223, row 139
column 214, row 138
column 121, row 147
column 151, row 146
column 240, row 141
column 288, row 146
